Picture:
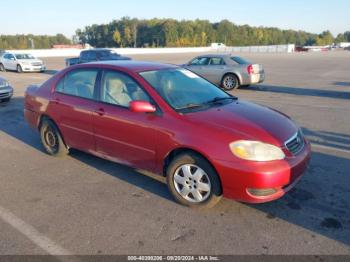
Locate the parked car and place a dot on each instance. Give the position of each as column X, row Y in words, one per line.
column 97, row 54
column 21, row 63
column 6, row 91
column 172, row 122
column 229, row 72
column 72, row 61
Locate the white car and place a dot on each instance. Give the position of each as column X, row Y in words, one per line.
column 21, row 63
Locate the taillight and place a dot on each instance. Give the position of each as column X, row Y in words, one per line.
column 250, row 69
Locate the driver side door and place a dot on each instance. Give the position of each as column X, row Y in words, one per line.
column 198, row 66
column 121, row 135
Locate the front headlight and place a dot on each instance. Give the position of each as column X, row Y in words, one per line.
column 4, row 84
column 256, row 151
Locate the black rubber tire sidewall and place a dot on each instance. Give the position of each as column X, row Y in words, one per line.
column 62, row 149
column 191, row 158
column 19, row 69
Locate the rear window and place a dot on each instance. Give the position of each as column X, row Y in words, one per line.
column 80, row 82
column 240, row 60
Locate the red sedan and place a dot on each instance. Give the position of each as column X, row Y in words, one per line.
column 172, row 122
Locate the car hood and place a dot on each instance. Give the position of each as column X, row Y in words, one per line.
column 245, row 120
column 30, row 60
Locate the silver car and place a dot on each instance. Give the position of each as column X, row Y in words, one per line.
column 229, row 72
column 6, row 91
column 21, row 63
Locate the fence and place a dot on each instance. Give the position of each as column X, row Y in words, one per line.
column 258, row 49
column 70, row 52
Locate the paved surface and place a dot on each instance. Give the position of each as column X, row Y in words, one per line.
column 84, row 205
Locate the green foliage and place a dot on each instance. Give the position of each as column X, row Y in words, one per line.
column 173, row 33
column 26, row 41
column 117, row 37
column 326, row 38
column 343, row 37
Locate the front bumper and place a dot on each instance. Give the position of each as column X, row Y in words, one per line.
column 6, row 93
column 32, row 68
column 239, row 180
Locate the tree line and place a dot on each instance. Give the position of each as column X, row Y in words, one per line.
column 133, row 32
column 31, row 41
column 128, row 32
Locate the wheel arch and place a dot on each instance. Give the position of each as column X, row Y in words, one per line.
column 47, row 117
column 177, row 151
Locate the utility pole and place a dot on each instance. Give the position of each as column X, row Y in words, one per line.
column 135, row 35
column 31, row 43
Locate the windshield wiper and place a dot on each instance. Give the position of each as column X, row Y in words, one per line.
column 190, row 106
column 219, row 99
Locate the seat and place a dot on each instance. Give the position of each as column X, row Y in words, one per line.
column 84, row 90
column 115, row 92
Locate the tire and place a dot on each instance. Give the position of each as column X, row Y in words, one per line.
column 52, row 139
column 185, row 187
column 19, row 69
column 2, row 68
column 230, row 82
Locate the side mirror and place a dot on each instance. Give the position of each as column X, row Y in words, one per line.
column 140, row 106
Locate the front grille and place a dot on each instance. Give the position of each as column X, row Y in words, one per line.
column 36, row 64
column 296, row 143
column 4, row 95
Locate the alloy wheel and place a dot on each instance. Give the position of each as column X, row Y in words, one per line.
column 192, row 183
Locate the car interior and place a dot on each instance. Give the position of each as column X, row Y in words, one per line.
column 121, row 90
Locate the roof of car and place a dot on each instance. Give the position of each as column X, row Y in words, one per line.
column 216, row 55
column 98, row 49
column 135, row 66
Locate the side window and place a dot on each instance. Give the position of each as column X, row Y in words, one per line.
column 120, row 89
column 79, row 82
column 200, row 61
column 84, row 55
column 92, row 56
column 216, row 61
column 9, row 56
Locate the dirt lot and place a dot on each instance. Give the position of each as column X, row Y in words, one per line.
column 85, row 205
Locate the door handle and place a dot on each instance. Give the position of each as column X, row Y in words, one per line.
column 100, row 111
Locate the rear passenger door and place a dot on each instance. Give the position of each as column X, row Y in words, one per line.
column 73, row 102
column 215, row 69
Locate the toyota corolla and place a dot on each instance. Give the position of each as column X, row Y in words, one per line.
column 172, row 122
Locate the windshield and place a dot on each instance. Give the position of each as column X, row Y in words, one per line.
column 24, row 56
column 184, row 90
column 240, row 60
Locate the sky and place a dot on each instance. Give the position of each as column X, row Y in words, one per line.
column 65, row 16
